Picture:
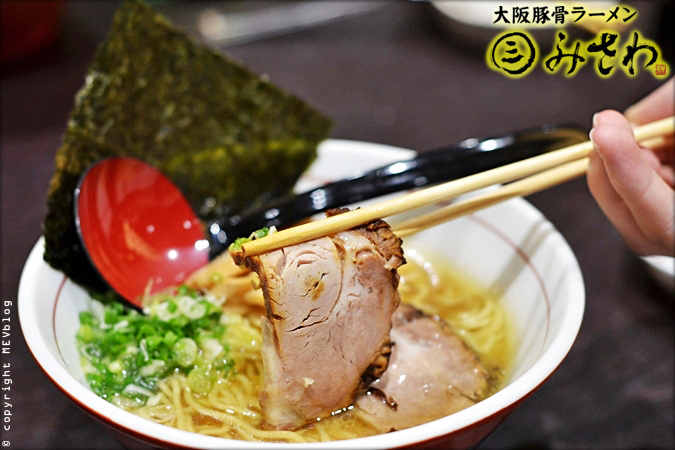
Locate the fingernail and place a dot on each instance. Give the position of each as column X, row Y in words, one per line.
column 629, row 112
column 595, row 116
column 595, row 146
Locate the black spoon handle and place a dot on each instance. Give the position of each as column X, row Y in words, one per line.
column 456, row 161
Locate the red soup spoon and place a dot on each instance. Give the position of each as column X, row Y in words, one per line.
column 142, row 236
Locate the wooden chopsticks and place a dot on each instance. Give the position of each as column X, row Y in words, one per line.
column 541, row 172
column 520, row 188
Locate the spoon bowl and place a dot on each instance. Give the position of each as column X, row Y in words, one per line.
column 137, row 228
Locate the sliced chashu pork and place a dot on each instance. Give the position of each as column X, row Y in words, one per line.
column 432, row 373
column 329, row 304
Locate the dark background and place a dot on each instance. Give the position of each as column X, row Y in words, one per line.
column 392, row 76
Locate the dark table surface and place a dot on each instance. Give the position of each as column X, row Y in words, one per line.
column 390, row 76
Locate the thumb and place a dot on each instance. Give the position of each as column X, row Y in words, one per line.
column 649, row 199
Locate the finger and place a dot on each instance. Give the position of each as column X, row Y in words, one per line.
column 662, row 147
column 658, row 158
column 646, row 195
column 607, row 117
column 663, row 170
column 629, row 171
column 667, row 173
column 657, row 105
column 665, row 150
column 614, row 208
column 651, row 158
column 610, row 202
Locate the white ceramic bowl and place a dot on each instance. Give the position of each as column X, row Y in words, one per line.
column 662, row 269
column 510, row 246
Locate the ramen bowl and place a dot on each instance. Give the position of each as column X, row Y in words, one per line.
column 510, row 248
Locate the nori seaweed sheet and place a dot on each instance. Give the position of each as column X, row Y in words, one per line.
column 224, row 135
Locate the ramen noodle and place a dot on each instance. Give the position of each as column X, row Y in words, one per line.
column 231, row 409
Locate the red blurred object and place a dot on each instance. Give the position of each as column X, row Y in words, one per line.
column 126, row 211
column 28, row 27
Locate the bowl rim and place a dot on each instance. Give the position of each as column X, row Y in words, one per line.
column 145, row 430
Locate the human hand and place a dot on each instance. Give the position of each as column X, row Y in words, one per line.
column 634, row 185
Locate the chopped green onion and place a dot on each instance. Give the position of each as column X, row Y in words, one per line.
column 125, row 354
column 201, row 379
column 156, row 366
column 185, row 352
column 258, row 234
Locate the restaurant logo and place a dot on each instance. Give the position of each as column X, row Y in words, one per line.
column 515, row 53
